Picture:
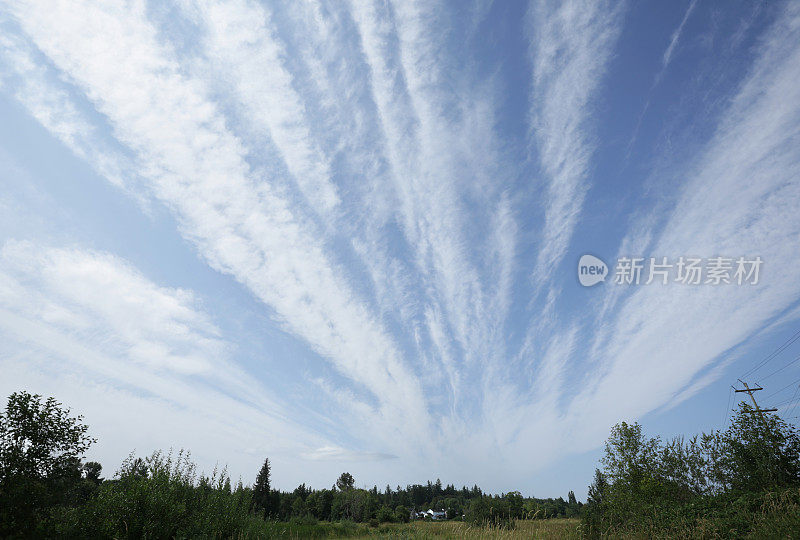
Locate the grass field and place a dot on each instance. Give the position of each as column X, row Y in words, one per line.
column 551, row 528
column 421, row 530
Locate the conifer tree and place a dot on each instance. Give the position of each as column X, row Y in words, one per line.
column 261, row 500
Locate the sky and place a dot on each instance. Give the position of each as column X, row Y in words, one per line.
column 345, row 235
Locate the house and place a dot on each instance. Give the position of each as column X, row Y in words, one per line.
column 429, row 514
column 437, row 514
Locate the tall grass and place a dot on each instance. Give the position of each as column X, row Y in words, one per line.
column 731, row 515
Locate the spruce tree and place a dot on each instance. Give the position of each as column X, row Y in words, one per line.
column 261, row 492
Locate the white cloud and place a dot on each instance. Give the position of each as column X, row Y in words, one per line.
column 441, row 146
column 242, row 51
column 32, row 84
column 76, row 291
column 571, row 45
column 335, row 453
column 386, row 235
column 239, row 223
column 145, row 366
column 740, row 200
column 676, row 36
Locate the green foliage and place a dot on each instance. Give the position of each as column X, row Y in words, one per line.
column 46, row 491
column 261, row 503
column 402, row 514
column 757, row 452
column 385, row 514
column 493, row 512
column 40, row 469
column 717, row 484
column 353, row 504
column 345, row 482
column 92, row 471
column 39, row 439
column 597, row 488
column 166, row 499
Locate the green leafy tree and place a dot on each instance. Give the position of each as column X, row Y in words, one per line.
column 756, row 452
column 385, row 514
column 571, row 498
column 41, row 446
column 598, row 488
column 323, row 504
column 92, row 471
column 39, row 437
column 630, row 458
column 515, row 503
column 402, row 514
column 298, row 507
column 345, row 482
column 728, row 480
column 302, row 491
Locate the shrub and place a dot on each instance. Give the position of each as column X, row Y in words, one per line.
column 161, row 497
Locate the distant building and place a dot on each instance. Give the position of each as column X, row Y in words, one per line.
column 429, row 514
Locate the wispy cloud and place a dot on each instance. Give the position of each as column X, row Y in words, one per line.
column 571, row 45
column 76, row 290
column 676, row 36
column 424, row 117
column 238, row 221
column 334, row 453
column 242, row 52
column 35, row 86
column 347, row 166
column 88, row 326
column 743, row 185
column 665, row 62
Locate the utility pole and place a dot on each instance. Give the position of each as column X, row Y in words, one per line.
column 750, row 391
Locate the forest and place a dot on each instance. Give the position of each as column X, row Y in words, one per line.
column 740, row 482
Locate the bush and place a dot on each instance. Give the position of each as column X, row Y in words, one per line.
column 402, row 514
column 160, row 497
column 490, row 512
column 385, row 514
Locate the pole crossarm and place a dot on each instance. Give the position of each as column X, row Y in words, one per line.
column 750, row 391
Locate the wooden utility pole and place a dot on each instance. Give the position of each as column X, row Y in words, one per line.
column 750, row 391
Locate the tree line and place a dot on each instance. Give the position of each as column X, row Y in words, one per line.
column 743, row 481
column 344, row 501
column 47, row 490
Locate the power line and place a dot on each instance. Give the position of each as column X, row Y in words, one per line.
column 774, row 353
column 796, row 395
column 785, row 401
column 728, row 409
column 780, row 369
column 784, row 388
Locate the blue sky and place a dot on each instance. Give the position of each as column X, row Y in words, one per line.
column 344, row 235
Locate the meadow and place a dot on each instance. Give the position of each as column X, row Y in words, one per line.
column 559, row 528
